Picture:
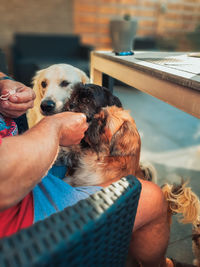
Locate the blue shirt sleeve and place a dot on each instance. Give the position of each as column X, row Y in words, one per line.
column 52, row 194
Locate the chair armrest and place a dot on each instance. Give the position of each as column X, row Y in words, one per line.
column 94, row 232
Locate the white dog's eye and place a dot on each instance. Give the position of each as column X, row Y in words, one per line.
column 44, row 84
column 64, row 83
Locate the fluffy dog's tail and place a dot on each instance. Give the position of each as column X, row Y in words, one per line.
column 182, row 200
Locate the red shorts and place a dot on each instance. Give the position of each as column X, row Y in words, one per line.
column 21, row 215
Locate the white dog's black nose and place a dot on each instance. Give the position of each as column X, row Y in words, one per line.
column 47, row 106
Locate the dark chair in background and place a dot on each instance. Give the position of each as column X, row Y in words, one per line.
column 32, row 52
column 146, row 43
column 3, row 63
column 94, row 232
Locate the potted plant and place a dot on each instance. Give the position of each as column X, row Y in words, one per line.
column 122, row 32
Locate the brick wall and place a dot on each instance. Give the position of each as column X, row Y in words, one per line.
column 155, row 17
column 90, row 18
column 44, row 16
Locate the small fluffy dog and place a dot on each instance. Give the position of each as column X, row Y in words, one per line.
column 111, row 146
column 112, row 149
column 53, row 87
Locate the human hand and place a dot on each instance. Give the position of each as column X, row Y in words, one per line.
column 17, row 103
column 72, row 127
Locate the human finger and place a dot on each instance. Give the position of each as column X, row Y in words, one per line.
column 17, row 106
column 11, row 114
column 22, row 95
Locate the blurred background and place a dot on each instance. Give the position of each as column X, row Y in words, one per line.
column 36, row 34
column 162, row 24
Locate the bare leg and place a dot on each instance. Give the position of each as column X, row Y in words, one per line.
column 151, row 230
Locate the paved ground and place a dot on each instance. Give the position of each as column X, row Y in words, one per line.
column 171, row 141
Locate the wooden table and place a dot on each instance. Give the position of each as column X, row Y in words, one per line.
column 171, row 77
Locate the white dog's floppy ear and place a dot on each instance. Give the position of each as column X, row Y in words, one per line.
column 36, row 77
column 84, row 77
column 34, row 115
column 35, row 83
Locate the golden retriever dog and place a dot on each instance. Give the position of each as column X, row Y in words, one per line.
column 53, row 87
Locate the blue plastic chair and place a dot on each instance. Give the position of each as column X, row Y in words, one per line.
column 94, row 232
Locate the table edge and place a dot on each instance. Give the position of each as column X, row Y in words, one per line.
column 186, row 82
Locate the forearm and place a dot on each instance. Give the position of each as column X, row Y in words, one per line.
column 36, row 151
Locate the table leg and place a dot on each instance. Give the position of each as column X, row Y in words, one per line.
column 96, row 76
column 108, row 82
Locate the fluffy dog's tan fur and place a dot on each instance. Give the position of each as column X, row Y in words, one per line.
column 182, row 200
column 53, row 76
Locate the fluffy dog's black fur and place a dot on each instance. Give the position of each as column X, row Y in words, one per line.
column 89, row 99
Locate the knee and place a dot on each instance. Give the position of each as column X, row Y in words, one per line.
column 153, row 197
column 152, row 204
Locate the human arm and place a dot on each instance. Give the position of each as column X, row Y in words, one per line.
column 26, row 158
column 17, row 103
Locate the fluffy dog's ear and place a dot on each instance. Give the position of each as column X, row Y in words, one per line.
column 126, row 141
column 95, row 135
column 84, row 78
